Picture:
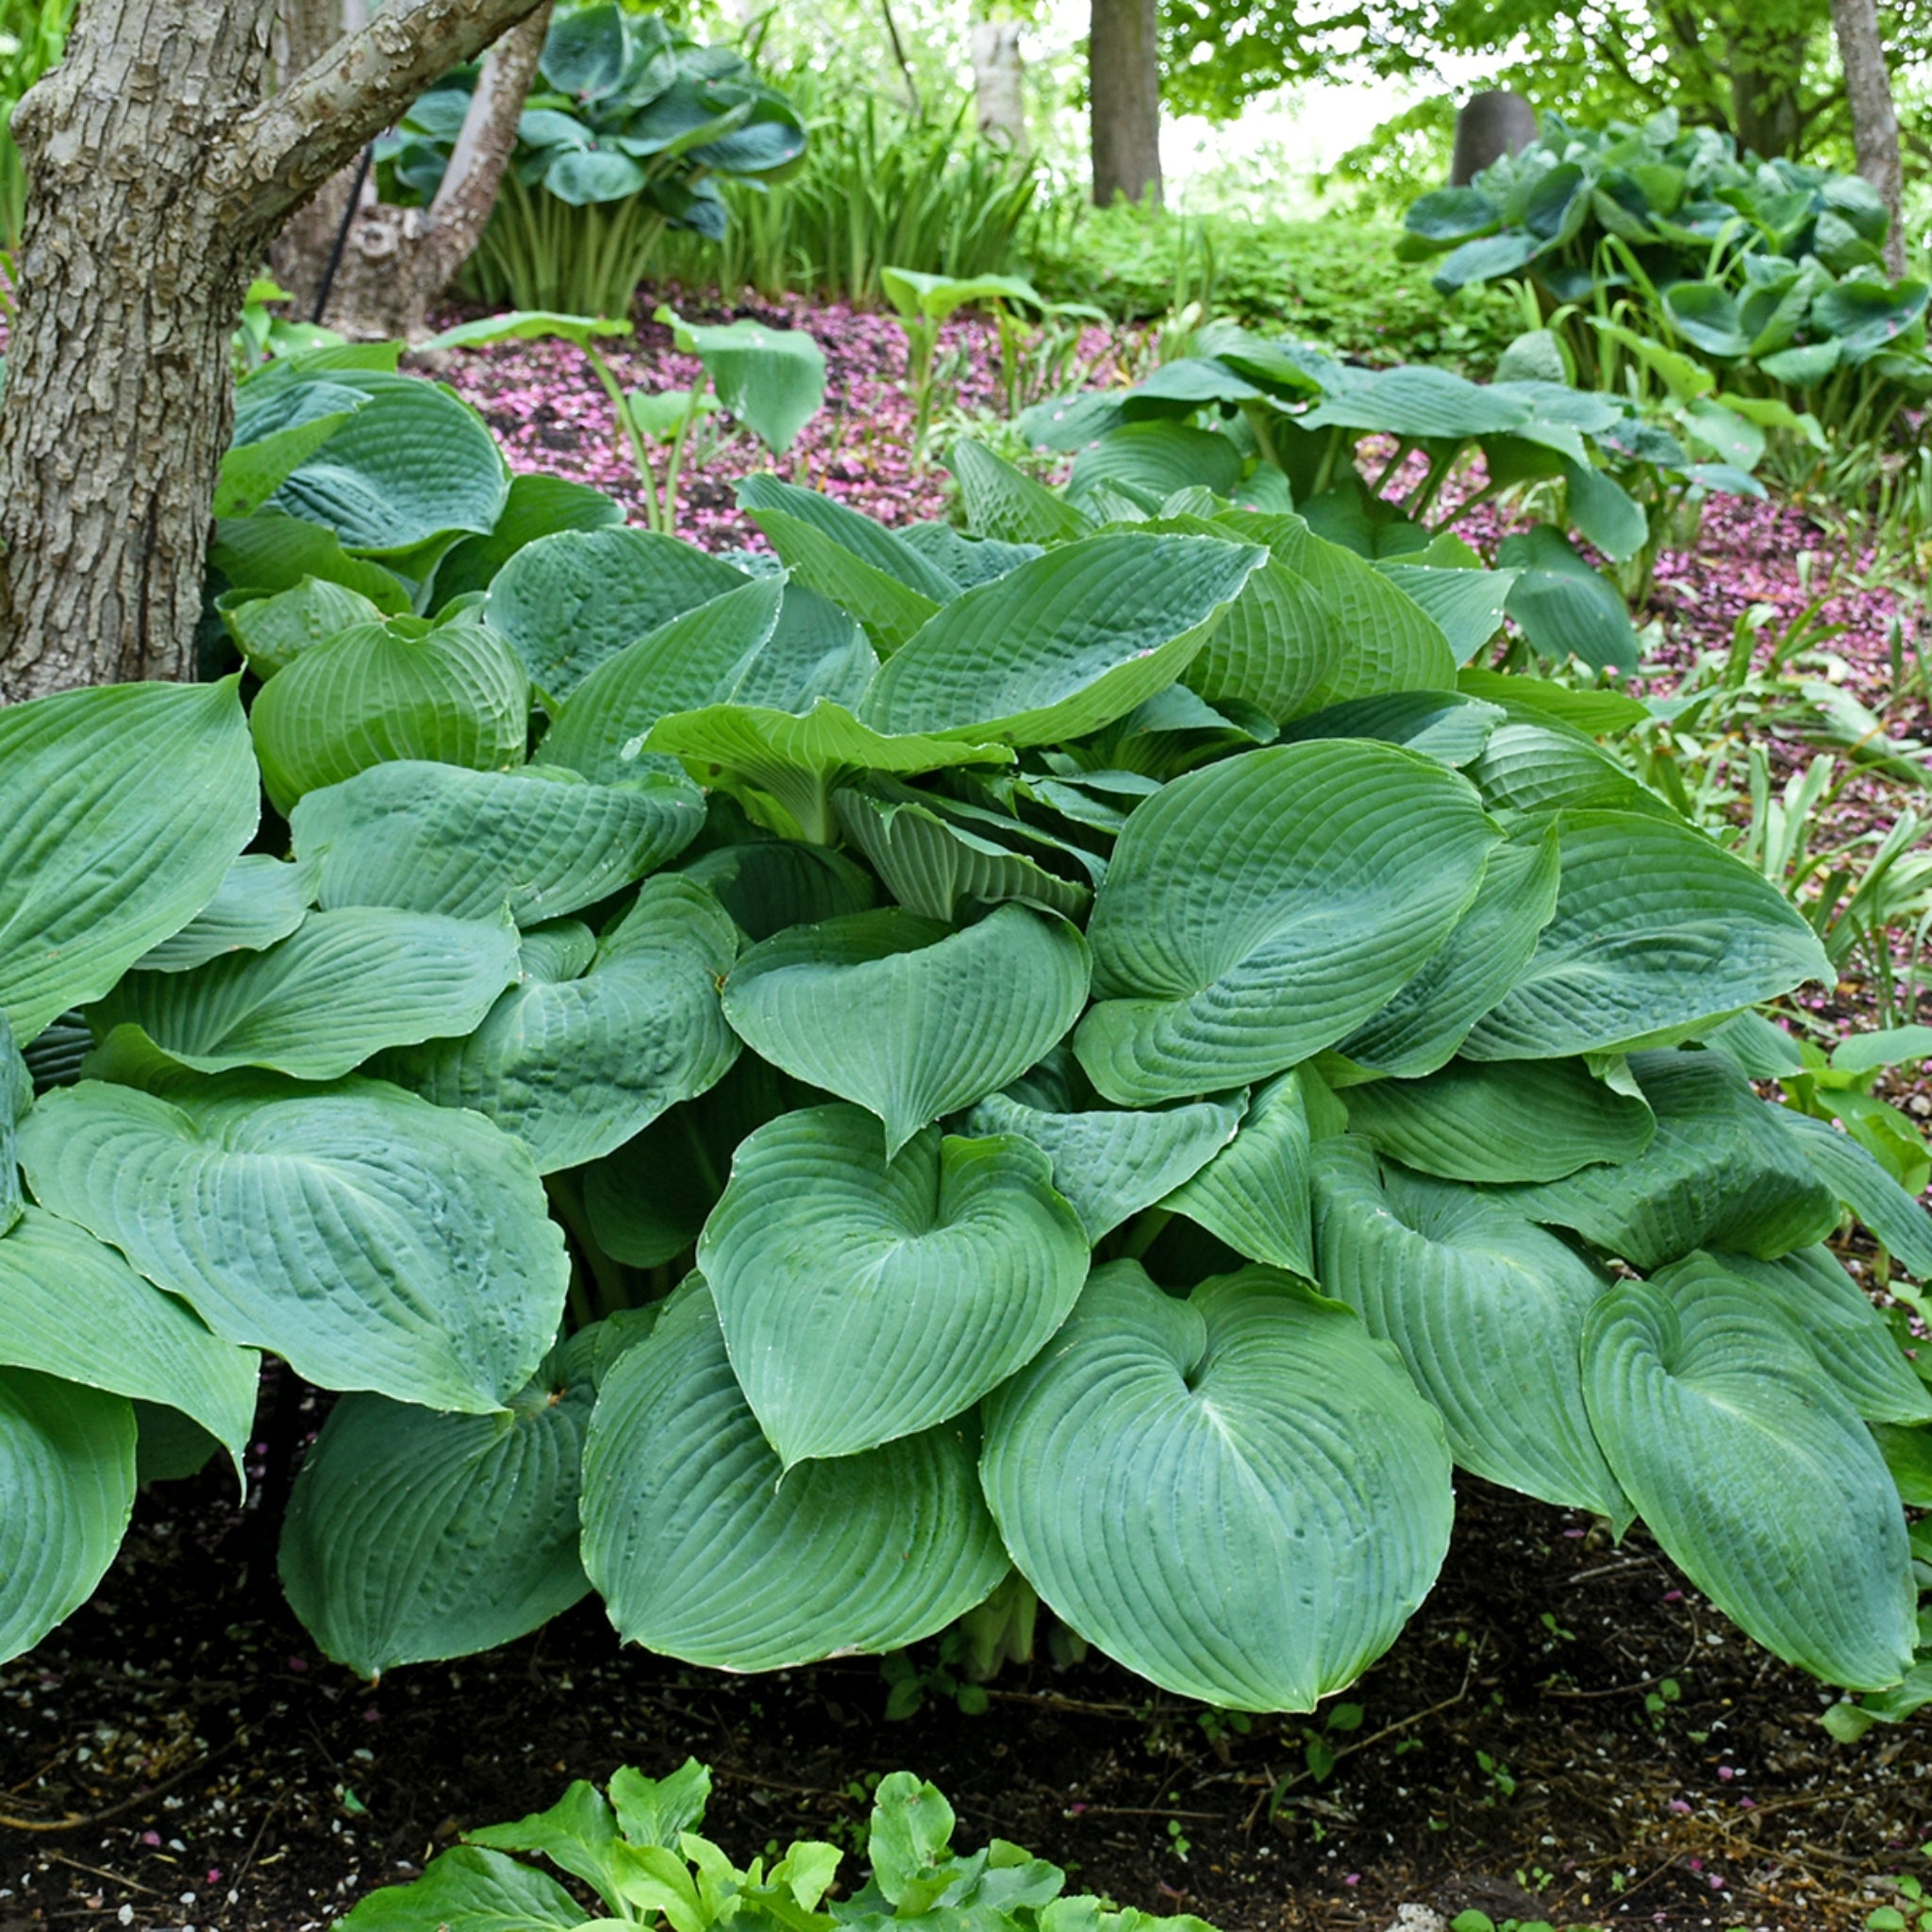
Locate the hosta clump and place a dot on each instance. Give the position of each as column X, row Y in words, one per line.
column 1091, row 1048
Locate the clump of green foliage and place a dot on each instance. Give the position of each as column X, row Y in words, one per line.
column 627, row 136
column 1336, row 282
column 637, row 1849
column 1092, row 1046
column 1769, row 272
column 879, row 188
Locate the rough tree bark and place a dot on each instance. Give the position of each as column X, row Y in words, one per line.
column 398, row 261
column 1875, row 119
column 999, row 82
column 157, row 175
column 1124, row 86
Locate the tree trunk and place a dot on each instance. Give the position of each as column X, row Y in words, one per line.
column 1124, row 86
column 1766, row 70
column 1875, row 121
column 157, row 178
column 1487, row 127
column 398, row 261
column 999, row 82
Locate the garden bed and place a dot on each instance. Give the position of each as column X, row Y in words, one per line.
column 1566, row 1730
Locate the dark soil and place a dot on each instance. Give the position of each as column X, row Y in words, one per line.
column 1566, row 1731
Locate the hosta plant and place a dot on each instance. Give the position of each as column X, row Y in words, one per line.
column 637, row 1851
column 627, row 134
column 1769, row 272
column 1277, row 424
column 1091, row 1061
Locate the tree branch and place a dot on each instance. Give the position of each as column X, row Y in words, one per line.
column 282, row 151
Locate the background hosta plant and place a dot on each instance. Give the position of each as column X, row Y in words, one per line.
column 1083, row 1053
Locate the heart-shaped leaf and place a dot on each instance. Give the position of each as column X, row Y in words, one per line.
column 1753, row 1471
column 1239, row 1497
column 413, row 1536
column 1064, row 644
column 88, row 780
column 136, row 1340
column 571, row 601
column 863, row 1299
column 910, row 1019
column 1259, row 910
column 705, row 1548
column 66, row 1493
column 372, row 1240
column 317, row 1003
column 438, row 839
column 1655, row 928
column 1528, row 1120
column 1254, row 1194
column 1486, row 1310
column 599, row 1037
column 1110, row 1163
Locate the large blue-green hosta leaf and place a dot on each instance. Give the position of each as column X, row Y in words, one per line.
column 435, row 837
column 1525, row 1120
column 1254, row 1194
column 690, row 661
column 1064, row 644
column 66, row 1493
column 1721, row 1172
column 412, row 1536
column 1317, row 626
column 316, row 1004
column 905, row 1016
column 261, row 900
column 865, row 1299
column 70, row 1307
column 1842, row 1329
column 704, row 1547
column 120, row 810
column 1655, row 928
column 1565, row 608
column 1752, row 1471
column 453, row 693
column 800, row 761
column 1485, row 1308
column 1857, row 1179
column 372, row 1240
column 599, row 1037
column 569, row 601
column 1239, row 1497
column 411, row 464
column 1421, row 1027
column 1110, row 1163
column 1260, row 911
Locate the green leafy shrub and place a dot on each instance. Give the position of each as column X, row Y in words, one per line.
column 1772, row 272
column 1083, row 1045
column 630, row 133
column 638, row 1852
column 878, row 189
column 32, row 34
column 1337, row 282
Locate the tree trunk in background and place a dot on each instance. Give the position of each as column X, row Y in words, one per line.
column 1875, row 121
column 298, row 258
column 398, row 261
column 999, row 82
column 1487, row 127
column 1123, row 85
column 158, row 176
column 1767, row 109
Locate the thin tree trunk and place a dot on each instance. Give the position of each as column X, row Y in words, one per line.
column 398, row 261
column 1766, row 71
column 999, row 82
column 158, row 176
column 1875, row 119
column 1124, row 86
